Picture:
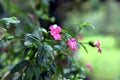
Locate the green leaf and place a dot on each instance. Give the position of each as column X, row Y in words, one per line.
column 19, row 66
column 52, row 19
column 7, row 21
column 60, row 70
column 69, row 59
column 9, row 37
column 84, row 47
column 58, row 47
column 53, row 67
column 28, row 73
column 26, row 51
column 11, row 20
column 41, row 54
column 3, row 33
column 68, row 36
column 27, row 43
column 86, row 24
column 31, row 36
column 21, row 77
column 43, row 30
column 36, row 71
column 49, row 50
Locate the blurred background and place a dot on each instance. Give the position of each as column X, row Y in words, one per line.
column 104, row 15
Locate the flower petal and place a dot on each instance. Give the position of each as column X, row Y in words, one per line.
column 57, row 37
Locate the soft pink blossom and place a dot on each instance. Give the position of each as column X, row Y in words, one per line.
column 80, row 37
column 97, row 44
column 55, row 32
column 72, row 44
column 89, row 66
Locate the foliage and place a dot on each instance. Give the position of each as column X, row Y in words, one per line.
column 39, row 54
column 42, row 55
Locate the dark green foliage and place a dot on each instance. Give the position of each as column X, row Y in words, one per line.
column 39, row 56
column 10, row 20
column 20, row 66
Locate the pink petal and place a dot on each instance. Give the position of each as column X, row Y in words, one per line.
column 80, row 37
column 72, row 44
column 73, row 40
column 51, row 27
column 58, row 29
column 97, row 44
column 57, row 37
column 89, row 66
column 99, row 50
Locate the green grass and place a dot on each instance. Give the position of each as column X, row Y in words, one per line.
column 106, row 66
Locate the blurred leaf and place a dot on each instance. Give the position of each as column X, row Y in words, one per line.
column 86, row 24
column 7, row 21
column 43, row 30
column 27, row 43
column 3, row 57
column 3, row 33
column 53, row 67
column 68, row 36
column 49, row 50
column 52, row 19
column 84, row 47
column 19, row 66
column 20, row 78
column 28, row 73
column 41, row 54
column 36, row 71
column 69, row 59
column 26, row 51
column 65, row 32
column 9, row 37
column 60, row 70
column 82, row 76
column 58, row 47
column 31, row 36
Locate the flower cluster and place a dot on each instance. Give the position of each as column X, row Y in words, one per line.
column 55, row 32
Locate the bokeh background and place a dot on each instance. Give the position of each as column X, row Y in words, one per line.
column 104, row 15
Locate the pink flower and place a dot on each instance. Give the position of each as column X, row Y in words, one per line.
column 72, row 44
column 97, row 44
column 55, row 31
column 80, row 37
column 89, row 66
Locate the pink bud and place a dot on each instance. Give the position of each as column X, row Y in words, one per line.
column 89, row 66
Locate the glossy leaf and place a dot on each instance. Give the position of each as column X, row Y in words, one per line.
column 7, row 21
column 19, row 66
column 49, row 50
column 41, row 54
column 31, row 36
column 28, row 73
column 36, row 71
